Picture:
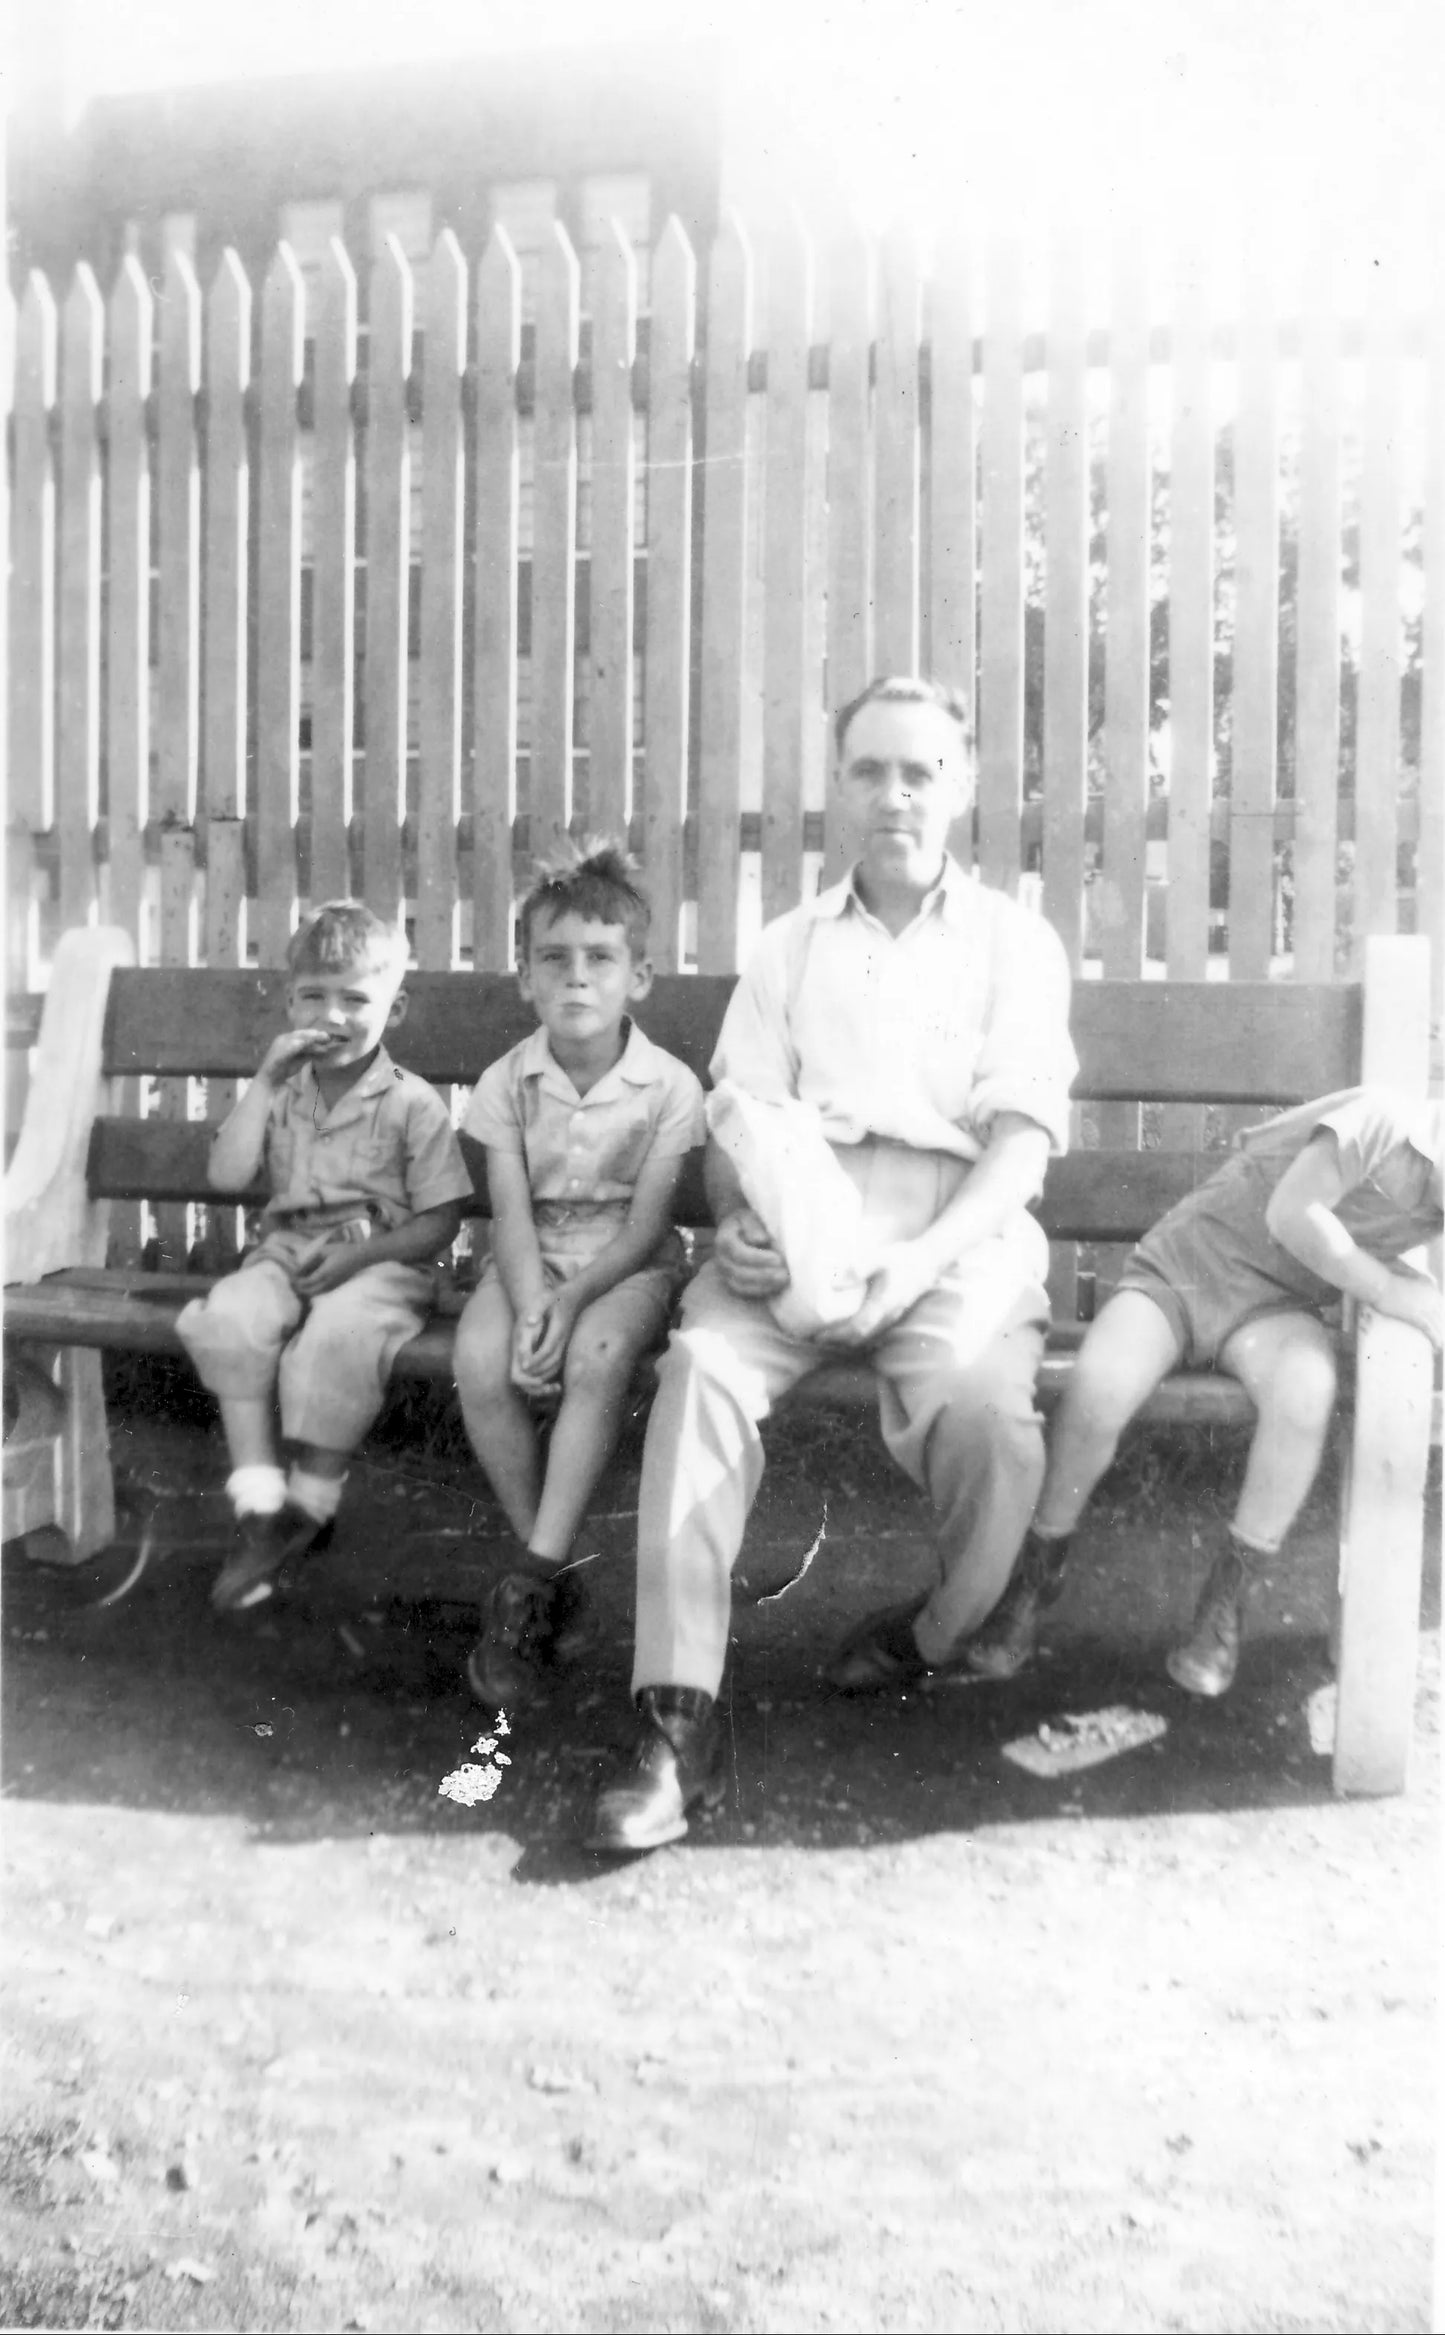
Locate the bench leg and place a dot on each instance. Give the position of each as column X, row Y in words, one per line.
column 57, row 1474
column 1381, row 1547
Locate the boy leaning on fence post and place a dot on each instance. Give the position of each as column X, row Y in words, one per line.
column 586, row 1126
column 367, row 1183
column 1322, row 1202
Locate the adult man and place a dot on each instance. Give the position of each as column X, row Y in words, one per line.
column 926, row 1017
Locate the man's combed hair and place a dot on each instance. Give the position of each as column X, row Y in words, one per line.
column 343, row 936
column 596, row 878
column 907, row 689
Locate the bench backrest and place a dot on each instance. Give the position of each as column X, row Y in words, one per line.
column 1262, row 1044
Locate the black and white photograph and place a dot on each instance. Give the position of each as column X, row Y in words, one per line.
column 723, row 744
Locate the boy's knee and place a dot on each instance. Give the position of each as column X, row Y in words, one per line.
column 598, row 1362
column 1098, row 1401
column 1302, row 1391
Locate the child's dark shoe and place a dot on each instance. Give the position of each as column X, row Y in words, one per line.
column 1206, row 1662
column 264, row 1547
column 1006, row 1641
column 533, row 1629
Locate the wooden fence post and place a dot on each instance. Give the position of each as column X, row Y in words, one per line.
column 494, row 695
column 554, row 550
column 669, row 585
column 786, row 580
column 333, row 578
column 78, row 759
column 610, row 590
column 388, row 577
column 727, row 555
column 439, row 787
column 278, row 631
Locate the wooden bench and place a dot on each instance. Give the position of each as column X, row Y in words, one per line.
column 1263, row 1045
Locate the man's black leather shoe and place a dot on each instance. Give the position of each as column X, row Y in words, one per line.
column 676, row 1765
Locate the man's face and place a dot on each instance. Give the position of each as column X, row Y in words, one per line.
column 905, row 777
column 581, row 975
column 349, row 1011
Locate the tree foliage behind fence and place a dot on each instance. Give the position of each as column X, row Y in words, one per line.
column 318, row 586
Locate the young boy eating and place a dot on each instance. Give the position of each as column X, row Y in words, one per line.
column 586, row 1125
column 367, row 1183
column 1322, row 1202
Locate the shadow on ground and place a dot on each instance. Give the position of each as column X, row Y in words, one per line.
column 340, row 1714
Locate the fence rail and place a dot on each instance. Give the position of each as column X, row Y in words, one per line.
column 319, row 584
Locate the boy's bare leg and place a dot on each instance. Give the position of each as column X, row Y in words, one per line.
column 1286, row 1363
column 249, row 1422
column 499, row 1421
column 609, row 1337
column 1128, row 1351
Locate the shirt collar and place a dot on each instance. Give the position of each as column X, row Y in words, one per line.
column 636, row 1066
column 382, row 1073
column 952, row 895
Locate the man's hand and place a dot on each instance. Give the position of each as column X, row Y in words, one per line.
column 327, row 1266
column 1412, row 1297
column 904, row 1273
column 539, row 1343
column 287, row 1049
column 749, row 1263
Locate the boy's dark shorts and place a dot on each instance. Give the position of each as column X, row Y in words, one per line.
column 1207, row 1265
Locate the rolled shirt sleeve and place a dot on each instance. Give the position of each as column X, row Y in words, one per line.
column 1027, row 1061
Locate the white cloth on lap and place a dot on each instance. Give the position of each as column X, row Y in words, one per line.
column 812, row 1210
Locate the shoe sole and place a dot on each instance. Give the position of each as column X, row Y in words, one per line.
column 257, row 1594
column 1209, row 1687
column 525, row 1698
column 613, row 1844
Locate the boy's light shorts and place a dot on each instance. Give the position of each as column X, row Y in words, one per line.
column 1210, row 1266
column 569, row 1239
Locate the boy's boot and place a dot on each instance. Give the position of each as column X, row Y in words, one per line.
column 1206, row 1662
column 263, row 1547
column 1007, row 1639
column 533, row 1627
column 675, row 1766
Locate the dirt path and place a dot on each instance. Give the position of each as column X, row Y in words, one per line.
column 906, row 2038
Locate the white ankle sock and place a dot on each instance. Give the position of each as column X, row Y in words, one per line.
column 319, row 1496
column 256, row 1491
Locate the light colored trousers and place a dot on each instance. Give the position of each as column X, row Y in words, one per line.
column 329, row 1361
column 956, row 1405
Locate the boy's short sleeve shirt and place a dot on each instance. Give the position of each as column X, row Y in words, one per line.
column 1389, row 1153
column 387, row 1150
column 582, row 1149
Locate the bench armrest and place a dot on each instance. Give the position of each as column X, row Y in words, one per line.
column 51, row 1221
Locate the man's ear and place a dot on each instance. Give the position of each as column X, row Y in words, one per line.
column 641, row 981
column 397, row 1013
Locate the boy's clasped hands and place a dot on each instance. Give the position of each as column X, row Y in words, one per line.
column 539, row 1341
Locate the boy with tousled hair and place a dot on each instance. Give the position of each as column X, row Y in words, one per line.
column 586, row 1125
column 367, row 1184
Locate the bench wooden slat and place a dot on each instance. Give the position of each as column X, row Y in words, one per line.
column 135, row 1313
column 1270, row 1043
column 1091, row 1196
